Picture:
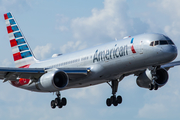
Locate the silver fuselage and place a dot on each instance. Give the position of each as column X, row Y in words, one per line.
column 111, row 60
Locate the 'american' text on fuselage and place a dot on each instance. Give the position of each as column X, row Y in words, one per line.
column 110, row 53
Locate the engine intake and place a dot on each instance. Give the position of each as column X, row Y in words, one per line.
column 52, row 81
column 145, row 78
column 60, row 79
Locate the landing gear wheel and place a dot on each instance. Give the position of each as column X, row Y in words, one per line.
column 108, row 102
column 155, row 87
column 113, row 98
column 151, row 86
column 60, row 105
column 57, row 101
column 115, row 103
column 53, row 104
column 64, row 101
column 119, row 99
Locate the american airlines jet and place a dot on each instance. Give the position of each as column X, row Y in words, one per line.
column 147, row 56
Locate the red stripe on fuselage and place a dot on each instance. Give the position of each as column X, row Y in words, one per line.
column 25, row 66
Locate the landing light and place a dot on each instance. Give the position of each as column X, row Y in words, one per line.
column 88, row 70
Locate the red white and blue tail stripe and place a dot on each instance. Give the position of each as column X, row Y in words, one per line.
column 22, row 54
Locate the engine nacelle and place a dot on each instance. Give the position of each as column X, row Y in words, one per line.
column 52, row 81
column 145, row 78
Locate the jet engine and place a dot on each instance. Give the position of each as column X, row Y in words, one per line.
column 52, row 81
column 145, row 78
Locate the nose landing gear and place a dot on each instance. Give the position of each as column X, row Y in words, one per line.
column 153, row 84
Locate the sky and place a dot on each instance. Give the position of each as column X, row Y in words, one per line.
column 64, row 26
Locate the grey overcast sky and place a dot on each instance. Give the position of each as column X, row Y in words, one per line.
column 63, row 26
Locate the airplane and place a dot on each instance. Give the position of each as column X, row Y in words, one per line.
column 148, row 56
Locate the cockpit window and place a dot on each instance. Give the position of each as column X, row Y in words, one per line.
column 156, row 43
column 170, row 42
column 151, row 44
column 161, row 42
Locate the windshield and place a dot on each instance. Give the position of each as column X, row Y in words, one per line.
column 161, row 42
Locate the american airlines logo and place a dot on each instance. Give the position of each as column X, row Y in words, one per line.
column 110, row 53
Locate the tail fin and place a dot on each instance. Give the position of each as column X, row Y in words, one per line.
column 22, row 54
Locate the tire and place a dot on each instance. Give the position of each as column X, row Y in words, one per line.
column 151, row 86
column 156, row 87
column 108, row 102
column 113, row 99
column 119, row 99
column 115, row 103
column 53, row 104
column 64, row 101
column 57, row 101
column 60, row 105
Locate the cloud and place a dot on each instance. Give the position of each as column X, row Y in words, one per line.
column 14, row 5
column 129, row 83
column 62, row 28
column 153, row 111
column 72, row 46
column 88, row 94
column 42, row 52
column 60, row 18
column 160, row 105
column 108, row 23
column 165, row 6
column 163, row 103
column 6, row 63
column 103, row 25
column 62, row 22
column 166, row 18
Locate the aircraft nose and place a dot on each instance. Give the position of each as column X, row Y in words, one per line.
column 171, row 52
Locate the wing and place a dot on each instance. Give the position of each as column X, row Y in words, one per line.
column 138, row 72
column 170, row 65
column 14, row 74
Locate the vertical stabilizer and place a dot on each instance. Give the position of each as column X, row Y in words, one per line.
column 22, row 54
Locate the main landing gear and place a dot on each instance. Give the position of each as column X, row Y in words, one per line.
column 153, row 84
column 113, row 99
column 58, row 101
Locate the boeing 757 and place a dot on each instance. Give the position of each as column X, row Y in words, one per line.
column 148, row 56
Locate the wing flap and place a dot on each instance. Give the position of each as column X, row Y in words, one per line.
column 14, row 74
